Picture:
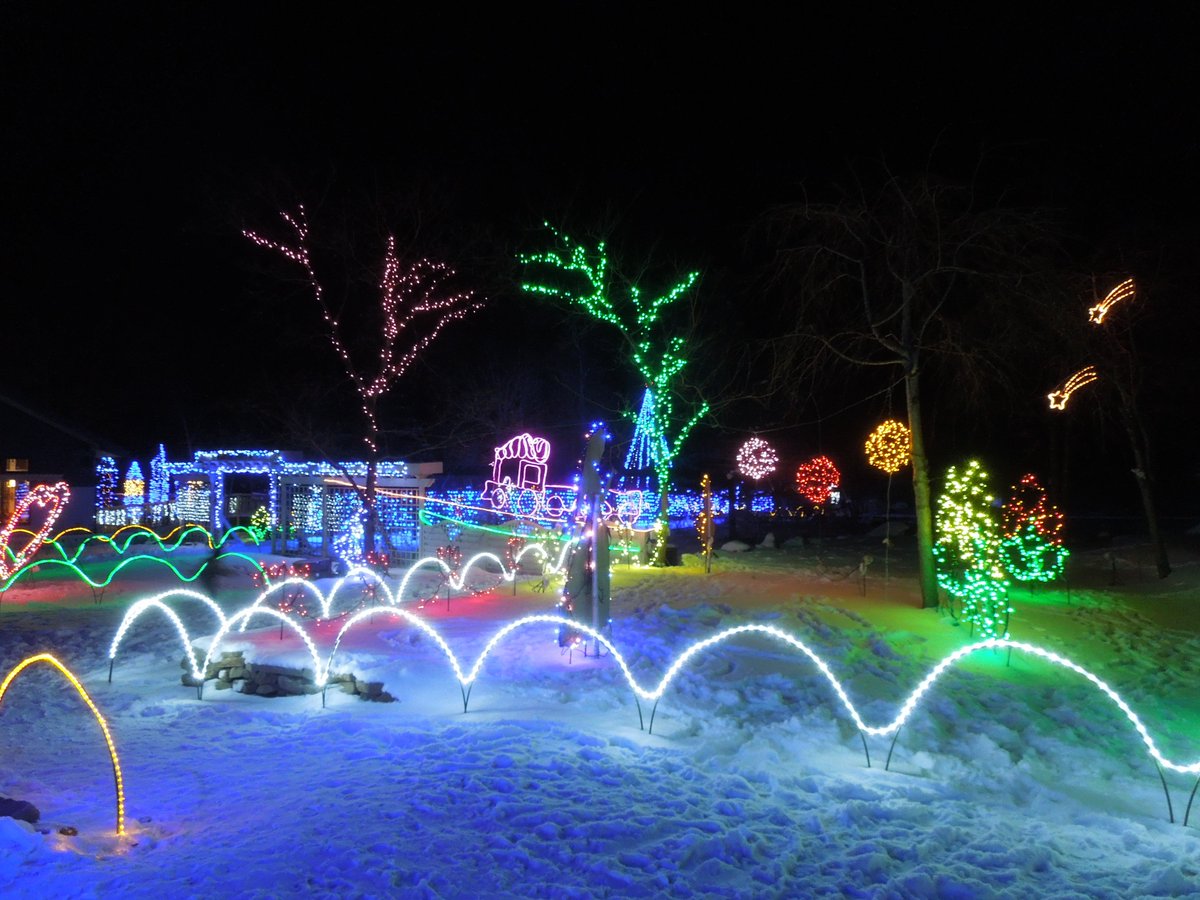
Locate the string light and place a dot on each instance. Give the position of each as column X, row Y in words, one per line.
column 348, row 546
column 967, row 551
column 147, row 604
column 128, row 561
column 1085, row 376
column 647, row 449
column 466, row 677
column 313, row 504
column 134, row 490
column 1123, row 291
column 452, row 556
column 532, row 455
column 757, row 459
column 50, row 498
column 159, row 489
column 658, row 362
column 407, row 296
column 193, row 500
column 586, row 585
column 817, row 479
column 889, row 446
column 260, row 524
column 118, row 781
column 139, row 533
column 1033, row 545
column 704, row 519
column 108, row 504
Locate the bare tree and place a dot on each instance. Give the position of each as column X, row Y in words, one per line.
column 897, row 281
column 1106, row 336
column 414, row 307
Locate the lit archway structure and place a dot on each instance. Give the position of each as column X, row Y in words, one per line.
column 118, row 781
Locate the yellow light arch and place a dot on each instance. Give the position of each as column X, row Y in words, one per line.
column 112, row 749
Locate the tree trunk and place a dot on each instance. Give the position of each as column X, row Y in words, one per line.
column 371, row 525
column 926, row 571
column 664, row 508
column 1139, row 443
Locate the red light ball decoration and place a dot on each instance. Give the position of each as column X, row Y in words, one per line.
column 816, row 479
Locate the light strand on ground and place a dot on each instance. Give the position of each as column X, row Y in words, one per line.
column 148, row 603
column 361, row 574
column 128, row 561
column 466, row 677
column 180, row 533
column 108, row 739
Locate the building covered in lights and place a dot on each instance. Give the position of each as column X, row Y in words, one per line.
column 303, row 506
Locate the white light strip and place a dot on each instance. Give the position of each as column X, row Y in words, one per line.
column 393, row 599
column 541, row 548
column 319, row 675
column 467, row 678
column 906, row 710
column 326, row 603
column 156, row 603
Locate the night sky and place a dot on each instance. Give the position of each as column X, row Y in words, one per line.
column 140, row 139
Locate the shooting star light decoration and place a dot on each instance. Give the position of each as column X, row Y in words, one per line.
column 1122, row 291
column 1058, row 399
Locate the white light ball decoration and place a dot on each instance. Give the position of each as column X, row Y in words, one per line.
column 757, row 459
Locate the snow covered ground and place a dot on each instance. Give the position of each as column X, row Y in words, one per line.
column 1014, row 777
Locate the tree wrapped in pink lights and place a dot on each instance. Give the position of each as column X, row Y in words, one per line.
column 415, row 305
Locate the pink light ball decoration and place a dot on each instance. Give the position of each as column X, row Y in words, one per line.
column 816, row 479
column 757, row 459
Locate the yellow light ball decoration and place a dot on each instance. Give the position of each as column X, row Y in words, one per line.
column 890, row 446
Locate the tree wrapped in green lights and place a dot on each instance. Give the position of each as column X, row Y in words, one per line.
column 967, row 551
column 260, row 523
column 659, row 359
column 1032, row 548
